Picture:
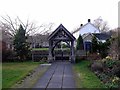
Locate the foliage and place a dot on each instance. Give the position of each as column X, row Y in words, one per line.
column 79, row 58
column 97, row 66
column 64, row 45
column 114, row 48
column 20, row 45
column 86, row 78
column 80, row 45
column 6, row 54
column 100, row 47
column 111, row 72
column 119, row 43
column 103, row 48
column 13, row 72
column 94, row 44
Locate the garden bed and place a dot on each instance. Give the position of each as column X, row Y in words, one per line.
column 108, row 71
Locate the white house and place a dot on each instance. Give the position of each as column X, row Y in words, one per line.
column 85, row 30
column 88, row 28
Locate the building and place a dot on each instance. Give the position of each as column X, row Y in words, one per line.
column 6, row 40
column 85, row 29
column 88, row 28
column 87, row 39
column 38, row 41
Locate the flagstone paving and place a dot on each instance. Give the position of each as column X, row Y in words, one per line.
column 59, row 75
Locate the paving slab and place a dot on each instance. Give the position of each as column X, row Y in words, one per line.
column 59, row 75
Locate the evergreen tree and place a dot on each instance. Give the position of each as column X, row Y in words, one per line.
column 20, row 45
column 94, row 44
column 103, row 48
column 80, row 45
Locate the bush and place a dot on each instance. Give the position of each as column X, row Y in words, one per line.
column 79, row 58
column 7, row 55
column 97, row 66
column 108, row 71
column 94, row 56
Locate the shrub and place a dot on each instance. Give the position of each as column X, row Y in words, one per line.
column 97, row 66
column 108, row 70
column 116, row 69
column 94, row 56
column 7, row 55
column 79, row 58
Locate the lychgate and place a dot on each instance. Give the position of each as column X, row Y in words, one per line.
column 61, row 34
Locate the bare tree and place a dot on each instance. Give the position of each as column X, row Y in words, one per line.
column 12, row 25
column 9, row 28
column 47, row 29
column 101, row 25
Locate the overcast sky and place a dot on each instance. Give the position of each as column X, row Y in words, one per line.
column 71, row 13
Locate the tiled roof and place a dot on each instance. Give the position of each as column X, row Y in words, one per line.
column 102, row 36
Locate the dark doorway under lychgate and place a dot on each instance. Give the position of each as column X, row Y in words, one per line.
column 61, row 36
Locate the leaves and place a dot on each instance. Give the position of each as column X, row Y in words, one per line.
column 20, row 44
column 80, row 43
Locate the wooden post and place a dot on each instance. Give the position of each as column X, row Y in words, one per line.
column 32, row 56
column 73, row 55
column 50, row 52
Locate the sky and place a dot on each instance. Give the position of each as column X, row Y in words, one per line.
column 70, row 13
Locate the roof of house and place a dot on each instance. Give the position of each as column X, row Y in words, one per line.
column 102, row 36
column 61, row 27
column 38, row 38
column 99, row 36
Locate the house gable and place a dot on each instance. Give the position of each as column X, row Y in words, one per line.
column 88, row 28
column 87, row 37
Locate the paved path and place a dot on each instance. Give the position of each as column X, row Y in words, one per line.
column 59, row 75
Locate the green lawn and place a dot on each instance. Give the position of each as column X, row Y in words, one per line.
column 40, row 48
column 0, row 75
column 48, row 48
column 84, row 77
column 13, row 72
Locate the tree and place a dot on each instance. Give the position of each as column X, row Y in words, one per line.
column 20, row 45
column 12, row 25
column 103, row 48
column 80, row 45
column 114, row 50
column 101, row 25
column 94, row 44
column 119, row 43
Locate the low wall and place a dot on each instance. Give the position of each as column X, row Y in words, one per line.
column 42, row 55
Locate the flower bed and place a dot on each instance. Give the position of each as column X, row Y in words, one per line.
column 108, row 71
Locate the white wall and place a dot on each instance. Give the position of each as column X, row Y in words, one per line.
column 88, row 28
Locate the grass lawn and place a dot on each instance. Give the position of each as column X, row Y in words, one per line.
column 40, row 48
column 48, row 48
column 84, row 77
column 0, row 76
column 13, row 72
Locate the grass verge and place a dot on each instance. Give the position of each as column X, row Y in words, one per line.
column 13, row 72
column 84, row 77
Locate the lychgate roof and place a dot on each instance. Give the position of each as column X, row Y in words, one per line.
column 59, row 29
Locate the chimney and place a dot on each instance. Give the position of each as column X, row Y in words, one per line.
column 81, row 25
column 88, row 20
